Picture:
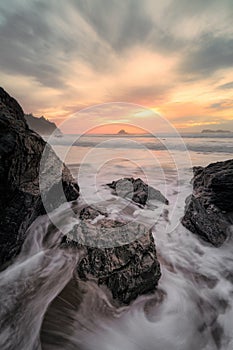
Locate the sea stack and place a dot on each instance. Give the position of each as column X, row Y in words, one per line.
column 122, row 132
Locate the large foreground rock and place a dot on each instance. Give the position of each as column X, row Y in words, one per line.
column 119, row 255
column 20, row 155
column 209, row 210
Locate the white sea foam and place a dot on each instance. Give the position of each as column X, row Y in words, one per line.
column 193, row 307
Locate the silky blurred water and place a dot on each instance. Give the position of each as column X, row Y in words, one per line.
column 193, row 306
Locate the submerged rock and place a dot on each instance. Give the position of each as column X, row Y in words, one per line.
column 20, row 155
column 136, row 190
column 209, row 210
column 119, row 255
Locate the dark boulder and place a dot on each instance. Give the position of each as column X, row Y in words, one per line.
column 119, row 255
column 20, row 155
column 136, row 190
column 209, row 210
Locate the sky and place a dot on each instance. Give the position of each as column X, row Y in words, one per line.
column 173, row 57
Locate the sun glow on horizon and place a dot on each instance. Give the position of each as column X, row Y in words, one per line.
column 177, row 65
column 114, row 129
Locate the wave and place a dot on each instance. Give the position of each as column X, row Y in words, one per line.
column 43, row 304
column 154, row 145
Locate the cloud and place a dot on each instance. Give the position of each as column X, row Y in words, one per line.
column 120, row 24
column 217, row 105
column 144, row 95
column 42, row 38
column 226, row 86
column 226, row 104
column 60, row 56
column 208, row 55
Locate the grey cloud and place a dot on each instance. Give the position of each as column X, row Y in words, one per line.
column 141, row 94
column 41, row 38
column 226, row 86
column 217, row 105
column 166, row 39
column 121, row 24
column 182, row 8
column 25, row 49
column 207, row 56
column 164, row 42
column 34, row 43
column 226, row 104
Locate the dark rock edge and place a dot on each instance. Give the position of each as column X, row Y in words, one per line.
column 209, row 210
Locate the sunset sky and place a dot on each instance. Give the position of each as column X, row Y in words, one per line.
column 172, row 56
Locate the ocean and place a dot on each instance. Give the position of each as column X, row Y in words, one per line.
column 196, row 310
column 164, row 162
column 193, row 306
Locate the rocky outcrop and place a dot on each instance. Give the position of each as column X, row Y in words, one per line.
column 20, row 154
column 42, row 125
column 209, row 210
column 119, row 255
column 220, row 131
column 136, row 190
column 122, row 132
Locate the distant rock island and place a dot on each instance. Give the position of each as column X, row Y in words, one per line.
column 122, row 132
column 209, row 131
column 42, row 125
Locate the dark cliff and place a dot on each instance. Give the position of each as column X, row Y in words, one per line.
column 20, row 154
column 42, row 125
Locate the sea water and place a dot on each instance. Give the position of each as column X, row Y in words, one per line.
column 193, row 306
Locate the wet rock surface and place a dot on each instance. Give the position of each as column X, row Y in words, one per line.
column 119, row 255
column 209, row 210
column 20, row 155
column 137, row 191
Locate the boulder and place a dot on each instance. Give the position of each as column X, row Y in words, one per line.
column 209, row 210
column 136, row 190
column 119, row 255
